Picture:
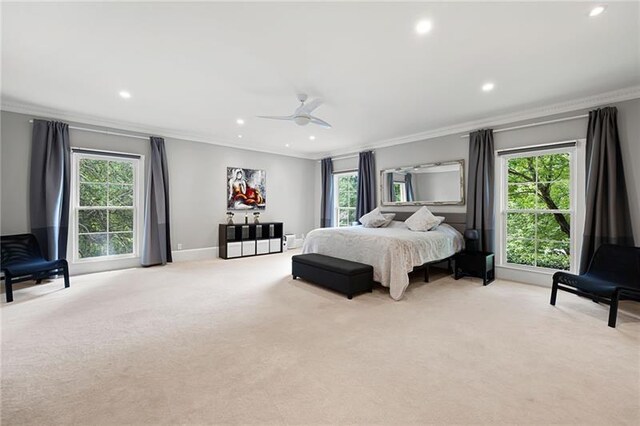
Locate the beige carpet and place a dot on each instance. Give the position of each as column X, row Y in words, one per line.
column 240, row 342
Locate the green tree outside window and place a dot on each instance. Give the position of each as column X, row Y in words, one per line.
column 538, row 211
column 347, row 198
column 105, row 210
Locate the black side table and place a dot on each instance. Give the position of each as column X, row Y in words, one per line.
column 475, row 264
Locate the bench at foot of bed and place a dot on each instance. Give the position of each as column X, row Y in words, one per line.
column 344, row 276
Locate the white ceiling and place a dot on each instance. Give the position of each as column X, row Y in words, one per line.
column 194, row 69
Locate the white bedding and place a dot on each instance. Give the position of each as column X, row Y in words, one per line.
column 392, row 251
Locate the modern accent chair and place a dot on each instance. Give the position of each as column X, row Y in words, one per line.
column 22, row 261
column 613, row 275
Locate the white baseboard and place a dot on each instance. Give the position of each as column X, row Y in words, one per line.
column 81, row 268
column 206, row 253
column 543, row 279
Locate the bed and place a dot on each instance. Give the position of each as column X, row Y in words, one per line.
column 393, row 251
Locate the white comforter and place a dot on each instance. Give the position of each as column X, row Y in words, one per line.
column 392, row 251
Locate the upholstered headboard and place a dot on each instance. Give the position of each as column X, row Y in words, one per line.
column 457, row 220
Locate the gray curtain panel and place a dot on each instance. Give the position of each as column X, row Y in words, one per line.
column 49, row 187
column 480, row 214
column 156, row 243
column 607, row 216
column 326, row 202
column 366, row 184
column 408, row 184
column 390, row 192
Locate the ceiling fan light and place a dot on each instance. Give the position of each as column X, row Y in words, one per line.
column 597, row 11
column 301, row 120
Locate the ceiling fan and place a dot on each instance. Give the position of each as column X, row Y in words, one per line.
column 302, row 115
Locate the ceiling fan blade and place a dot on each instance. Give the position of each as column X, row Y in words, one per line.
column 319, row 122
column 309, row 107
column 277, row 117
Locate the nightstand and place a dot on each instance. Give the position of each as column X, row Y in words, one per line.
column 475, row 264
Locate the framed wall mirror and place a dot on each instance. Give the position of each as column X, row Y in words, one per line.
column 425, row 184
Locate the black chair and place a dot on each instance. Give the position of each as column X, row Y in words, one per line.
column 22, row 261
column 613, row 275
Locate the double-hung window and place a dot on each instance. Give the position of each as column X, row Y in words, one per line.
column 106, row 208
column 538, row 202
column 400, row 191
column 345, row 189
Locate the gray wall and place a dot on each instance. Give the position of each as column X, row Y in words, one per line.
column 437, row 186
column 197, row 174
column 629, row 127
column 433, row 150
column 453, row 147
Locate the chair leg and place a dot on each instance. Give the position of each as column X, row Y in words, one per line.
column 554, row 292
column 66, row 277
column 8, row 287
column 613, row 310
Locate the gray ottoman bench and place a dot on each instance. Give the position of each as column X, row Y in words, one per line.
column 344, row 276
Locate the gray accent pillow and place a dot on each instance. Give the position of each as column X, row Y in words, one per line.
column 388, row 219
column 373, row 219
column 422, row 220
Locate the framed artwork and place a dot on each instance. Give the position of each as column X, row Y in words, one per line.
column 246, row 189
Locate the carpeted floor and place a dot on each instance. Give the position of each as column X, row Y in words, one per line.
column 239, row 341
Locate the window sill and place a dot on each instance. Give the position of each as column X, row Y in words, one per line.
column 545, row 271
column 103, row 259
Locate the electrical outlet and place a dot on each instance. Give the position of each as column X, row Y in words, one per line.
column 179, row 246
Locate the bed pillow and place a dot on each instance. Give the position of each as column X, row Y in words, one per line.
column 398, row 224
column 440, row 221
column 388, row 218
column 373, row 219
column 422, row 220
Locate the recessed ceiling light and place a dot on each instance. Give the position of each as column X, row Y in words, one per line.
column 239, row 136
column 240, row 121
column 286, row 145
column 487, row 87
column 312, row 138
column 597, row 11
column 423, row 26
column 124, row 94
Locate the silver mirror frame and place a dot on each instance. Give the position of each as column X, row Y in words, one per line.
column 423, row 203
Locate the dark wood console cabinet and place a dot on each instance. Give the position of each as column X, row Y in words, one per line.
column 250, row 240
column 475, row 264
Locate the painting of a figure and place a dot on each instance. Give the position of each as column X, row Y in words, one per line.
column 246, row 188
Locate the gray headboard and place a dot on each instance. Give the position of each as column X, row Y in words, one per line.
column 457, row 220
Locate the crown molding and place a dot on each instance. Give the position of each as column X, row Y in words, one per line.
column 119, row 126
column 601, row 99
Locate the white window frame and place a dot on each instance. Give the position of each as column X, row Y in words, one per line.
column 576, row 196
column 336, row 208
column 138, row 205
column 403, row 191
